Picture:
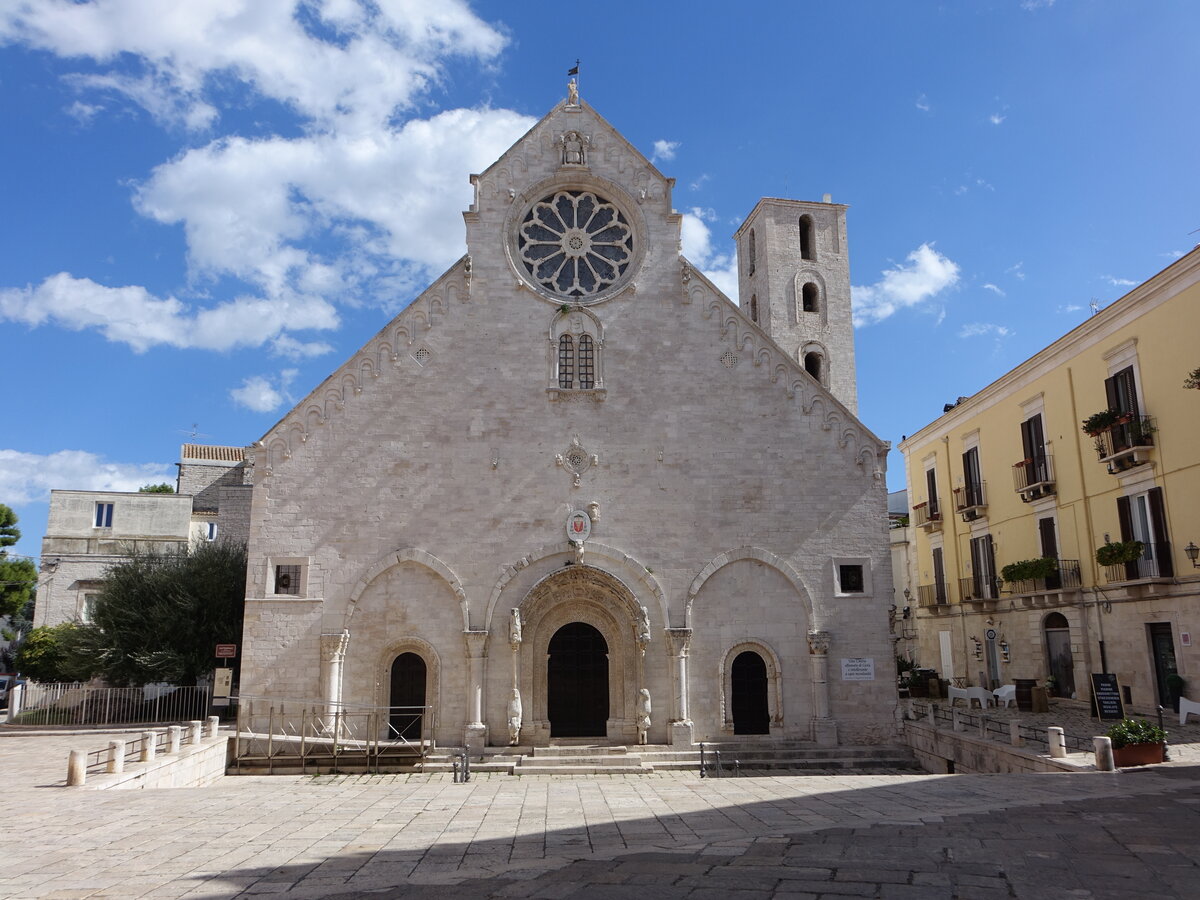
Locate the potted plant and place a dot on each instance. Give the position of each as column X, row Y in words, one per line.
column 1119, row 552
column 1100, row 421
column 1136, row 742
column 1030, row 569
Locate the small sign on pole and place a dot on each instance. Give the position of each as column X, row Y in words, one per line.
column 222, row 686
column 226, row 651
column 1108, row 696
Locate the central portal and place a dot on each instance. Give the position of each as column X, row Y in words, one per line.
column 577, row 682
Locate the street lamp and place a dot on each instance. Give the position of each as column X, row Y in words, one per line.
column 1192, row 552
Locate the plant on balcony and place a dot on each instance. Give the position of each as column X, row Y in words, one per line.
column 1193, row 380
column 1142, row 430
column 1119, row 553
column 1100, row 421
column 1030, row 569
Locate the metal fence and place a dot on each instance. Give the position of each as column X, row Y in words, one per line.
column 280, row 734
column 79, row 704
column 996, row 729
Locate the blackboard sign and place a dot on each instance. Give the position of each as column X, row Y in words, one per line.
column 1107, row 694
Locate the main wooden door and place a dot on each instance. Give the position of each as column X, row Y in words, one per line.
column 577, row 682
column 407, row 697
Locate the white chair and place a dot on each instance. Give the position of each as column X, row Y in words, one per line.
column 1005, row 694
column 1187, row 706
column 982, row 694
column 955, row 693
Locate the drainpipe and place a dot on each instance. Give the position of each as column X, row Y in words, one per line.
column 1089, row 528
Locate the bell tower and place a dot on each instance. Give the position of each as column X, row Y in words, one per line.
column 794, row 283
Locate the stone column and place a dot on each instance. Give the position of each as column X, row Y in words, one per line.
column 680, row 727
column 475, row 738
column 824, row 727
column 333, row 654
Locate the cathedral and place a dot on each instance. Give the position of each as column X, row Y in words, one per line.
column 574, row 492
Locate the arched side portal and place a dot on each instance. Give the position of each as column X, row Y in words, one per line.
column 407, row 697
column 751, row 689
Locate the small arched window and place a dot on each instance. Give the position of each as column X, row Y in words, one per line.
column 587, row 362
column 566, row 362
column 808, row 297
column 806, row 237
column 754, row 308
column 752, row 253
column 812, row 364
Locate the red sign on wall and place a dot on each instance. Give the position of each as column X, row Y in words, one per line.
column 226, row 651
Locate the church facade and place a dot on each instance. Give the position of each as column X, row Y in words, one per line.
column 573, row 491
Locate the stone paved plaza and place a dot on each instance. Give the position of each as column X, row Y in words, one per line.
column 1130, row 834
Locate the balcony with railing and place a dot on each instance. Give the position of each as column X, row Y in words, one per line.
column 974, row 589
column 932, row 595
column 1126, row 443
column 1065, row 577
column 926, row 515
column 1034, row 477
column 1155, row 562
column 970, row 500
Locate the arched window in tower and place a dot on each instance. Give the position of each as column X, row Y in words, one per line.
column 808, row 298
column 566, row 362
column 806, row 238
column 751, row 252
column 586, row 359
column 813, row 364
column 754, row 308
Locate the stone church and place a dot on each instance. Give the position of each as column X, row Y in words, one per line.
column 573, row 491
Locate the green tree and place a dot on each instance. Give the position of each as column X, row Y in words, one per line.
column 158, row 617
column 162, row 488
column 18, row 577
column 54, row 653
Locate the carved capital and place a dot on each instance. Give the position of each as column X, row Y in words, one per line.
column 476, row 643
column 333, row 646
column 680, row 640
column 818, row 642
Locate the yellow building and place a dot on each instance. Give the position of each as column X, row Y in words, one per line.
column 1011, row 500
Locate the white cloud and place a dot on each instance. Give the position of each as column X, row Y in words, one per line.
column 82, row 112
column 996, row 118
column 1119, row 282
column 133, row 316
column 994, row 290
column 290, row 348
column 976, row 329
column 1036, row 4
column 1070, row 308
column 925, row 275
column 664, row 150
column 923, row 103
column 699, row 182
column 1172, row 254
column 331, row 61
column 261, row 393
column 28, row 477
column 1017, row 270
column 696, row 238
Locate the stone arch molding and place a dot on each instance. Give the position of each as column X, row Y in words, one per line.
column 433, row 671
column 774, row 682
column 593, row 552
column 778, row 563
column 421, row 558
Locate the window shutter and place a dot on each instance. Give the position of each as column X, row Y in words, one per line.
column 1049, row 541
column 931, row 491
column 1110, row 392
column 1158, row 521
column 1125, row 517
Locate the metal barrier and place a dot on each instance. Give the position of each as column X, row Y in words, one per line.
column 714, row 769
column 78, row 704
column 281, row 733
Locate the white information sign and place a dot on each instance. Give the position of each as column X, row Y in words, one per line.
column 222, row 682
column 861, row 668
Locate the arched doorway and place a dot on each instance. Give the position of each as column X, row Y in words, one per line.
column 748, row 689
column 1058, row 655
column 407, row 697
column 577, row 682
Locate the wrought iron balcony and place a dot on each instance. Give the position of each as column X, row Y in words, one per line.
column 1034, row 477
column 1155, row 562
column 1126, row 443
column 926, row 515
column 971, row 499
column 973, row 588
column 1066, row 578
column 932, row 595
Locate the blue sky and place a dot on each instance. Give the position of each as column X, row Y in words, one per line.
column 208, row 206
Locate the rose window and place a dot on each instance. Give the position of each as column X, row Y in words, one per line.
column 575, row 244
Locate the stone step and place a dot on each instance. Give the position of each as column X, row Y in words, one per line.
column 589, row 750
column 538, row 769
column 581, row 760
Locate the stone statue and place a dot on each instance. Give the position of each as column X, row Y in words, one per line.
column 643, row 632
column 643, row 721
column 514, row 627
column 574, row 147
column 572, row 93
column 514, row 718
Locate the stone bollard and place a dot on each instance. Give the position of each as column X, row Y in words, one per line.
column 173, row 735
column 195, row 729
column 214, row 722
column 1058, row 749
column 933, row 715
column 1014, row 733
column 76, row 768
column 983, row 725
column 1104, row 756
column 955, row 719
column 149, row 746
column 116, row 756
